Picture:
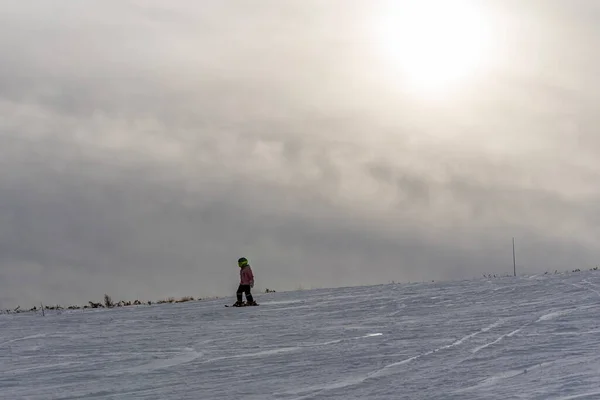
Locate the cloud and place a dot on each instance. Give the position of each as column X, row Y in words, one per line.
column 146, row 146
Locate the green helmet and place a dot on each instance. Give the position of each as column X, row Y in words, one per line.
column 242, row 262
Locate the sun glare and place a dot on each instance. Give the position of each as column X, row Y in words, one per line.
column 433, row 45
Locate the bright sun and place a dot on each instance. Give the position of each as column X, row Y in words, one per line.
column 434, row 44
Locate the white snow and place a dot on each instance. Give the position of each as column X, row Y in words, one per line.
column 518, row 338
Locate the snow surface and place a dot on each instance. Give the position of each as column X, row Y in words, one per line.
column 507, row 338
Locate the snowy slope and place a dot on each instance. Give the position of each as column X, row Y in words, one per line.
column 508, row 338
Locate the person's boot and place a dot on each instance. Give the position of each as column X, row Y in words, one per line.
column 238, row 304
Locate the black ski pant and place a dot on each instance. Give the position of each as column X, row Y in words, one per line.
column 244, row 289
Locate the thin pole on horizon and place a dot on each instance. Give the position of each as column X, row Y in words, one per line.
column 514, row 259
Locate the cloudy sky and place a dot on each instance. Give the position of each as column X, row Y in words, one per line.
column 146, row 145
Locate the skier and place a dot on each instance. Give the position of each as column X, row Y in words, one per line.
column 246, row 283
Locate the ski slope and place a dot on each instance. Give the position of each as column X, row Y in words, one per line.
column 507, row 338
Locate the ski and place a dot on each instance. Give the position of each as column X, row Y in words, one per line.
column 243, row 305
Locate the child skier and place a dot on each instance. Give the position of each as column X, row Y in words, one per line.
column 246, row 283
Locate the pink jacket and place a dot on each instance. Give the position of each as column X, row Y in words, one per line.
column 246, row 276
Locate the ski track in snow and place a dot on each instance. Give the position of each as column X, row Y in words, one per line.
column 185, row 357
column 553, row 315
column 484, row 346
column 591, row 284
column 493, row 339
column 288, row 349
column 545, row 317
column 589, row 395
column 386, row 369
column 24, row 338
column 498, row 378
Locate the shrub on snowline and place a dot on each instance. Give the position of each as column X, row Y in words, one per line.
column 108, row 303
column 185, row 299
